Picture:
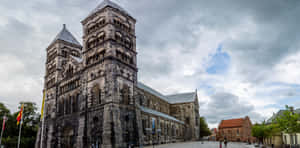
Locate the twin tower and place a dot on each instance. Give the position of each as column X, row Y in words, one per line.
column 90, row 88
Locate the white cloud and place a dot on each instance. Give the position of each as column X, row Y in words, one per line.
column 176, row 41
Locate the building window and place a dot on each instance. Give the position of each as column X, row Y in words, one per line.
column 292, row 139
column 61, row 107
column 285, row 139
column 69, row 72
column 125, row 95
column 144, row 126
column 96, row 95
column 187, row 120
column 141, row 98
column 75, row 103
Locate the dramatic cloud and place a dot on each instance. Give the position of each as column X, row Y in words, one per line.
column 242, row 56
column 225, row 106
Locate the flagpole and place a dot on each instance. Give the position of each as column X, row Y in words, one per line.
column 43, row 119
column 3, row 124
column 19, row 139
column 42, row 132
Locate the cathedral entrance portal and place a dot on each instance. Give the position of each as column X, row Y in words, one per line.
column 68, row 136
column 96, row 142
column 96, row 139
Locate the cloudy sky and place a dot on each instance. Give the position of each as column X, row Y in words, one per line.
column 242, row 56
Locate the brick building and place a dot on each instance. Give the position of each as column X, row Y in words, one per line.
column 94, row 98
column 235, row 130
column 214, row 133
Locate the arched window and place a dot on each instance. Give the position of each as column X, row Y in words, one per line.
column 75, row 103
column 91, row 42
column 118, row 37
column 187, row 120
column 65, row 106
column 128, row 43
column 61, row 107
column 125, row 95
column 68, row 136
column 101, row 22
column 100, row 38
column 69, row 72
column 141, row 100
column 68, row 105
column 96, row 95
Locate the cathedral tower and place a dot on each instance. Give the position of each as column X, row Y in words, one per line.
column 110, row 68
column 63, row 46
column 90, row 90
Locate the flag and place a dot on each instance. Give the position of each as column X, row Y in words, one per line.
column 43, row 104
column 19, row 117
column 3, row 124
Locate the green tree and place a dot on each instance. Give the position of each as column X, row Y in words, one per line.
column 204, row 130
column 29, row 127
column 259, row 131
column 289, row 121
column 262, row 131
column 3, row 110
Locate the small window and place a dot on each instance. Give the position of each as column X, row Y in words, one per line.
column 95, row 119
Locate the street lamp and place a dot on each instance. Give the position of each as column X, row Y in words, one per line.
column 158, row 134
column 148, row 131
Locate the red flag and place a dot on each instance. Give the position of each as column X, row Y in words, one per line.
column 19, row 117
column 3, row 124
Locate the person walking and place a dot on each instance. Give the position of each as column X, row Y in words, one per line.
column 220, row 143
column 225, row 142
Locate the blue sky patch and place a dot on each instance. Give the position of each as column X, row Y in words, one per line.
column 220, row 62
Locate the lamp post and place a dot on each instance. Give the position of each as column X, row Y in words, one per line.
column 158, row 134
column 148, row 131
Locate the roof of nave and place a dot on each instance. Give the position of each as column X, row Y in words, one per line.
column 107, row 3
column 152, row 91
column 232, row 123
column 67, row 36
column 172, row 99
column 160, row 114
column 182, row 97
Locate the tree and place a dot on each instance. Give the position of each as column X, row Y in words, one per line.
column 3, row 110
column 289, row 121
column 262, row 131
column 29, row 127
column 259, row 131
column 204, row 130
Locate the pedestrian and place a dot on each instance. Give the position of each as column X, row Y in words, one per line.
column 225, row 142
column 220, row 143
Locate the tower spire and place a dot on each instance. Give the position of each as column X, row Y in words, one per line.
column 107, row 3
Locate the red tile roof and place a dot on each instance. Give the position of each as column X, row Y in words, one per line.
column 232, row 123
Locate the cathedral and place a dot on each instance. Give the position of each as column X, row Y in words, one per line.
column 93, row 97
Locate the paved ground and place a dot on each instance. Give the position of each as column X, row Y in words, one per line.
column 199, row 145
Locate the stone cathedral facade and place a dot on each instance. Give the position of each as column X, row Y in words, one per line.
column 94, row 99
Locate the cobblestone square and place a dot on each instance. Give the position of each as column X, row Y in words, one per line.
column 206, row 144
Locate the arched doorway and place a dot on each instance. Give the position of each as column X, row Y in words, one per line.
column 96, row 133
column 68, row 138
